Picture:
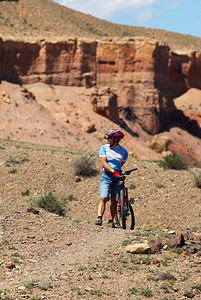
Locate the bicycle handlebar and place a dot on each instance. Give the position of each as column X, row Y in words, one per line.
column 129, row 171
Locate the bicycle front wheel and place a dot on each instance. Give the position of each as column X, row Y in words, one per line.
column 123, row 208
column 129, row 220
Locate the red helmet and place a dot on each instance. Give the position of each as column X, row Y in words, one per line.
column 115, row 133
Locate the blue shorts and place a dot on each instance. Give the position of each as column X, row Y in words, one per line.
column 109, row 184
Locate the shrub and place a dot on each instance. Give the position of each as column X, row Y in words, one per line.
column 84, row 165
column 173, row 161
column 71, row 197
column 147, row 293
column 25, row 193
column 52, row 204
column 16, row 161
column 13, row 171
column 197, row 179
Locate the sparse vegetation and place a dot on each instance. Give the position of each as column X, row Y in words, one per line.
column 147, row 293
column 68, row 22
column 45, row 286
column 13, row 171
column 16, row 161
column 46, row 244
column 77, row 289
column 133, row 290
column 71, row 197
column 25, row 193
column 173, row 161
column 50, row 203
column 84, row 165
column 197, row 180
column 132, row 186
column 96, row 292
column 159, row 185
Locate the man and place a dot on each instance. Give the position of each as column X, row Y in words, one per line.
column 112, row 157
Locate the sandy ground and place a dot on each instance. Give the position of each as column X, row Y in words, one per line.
column 71, row 258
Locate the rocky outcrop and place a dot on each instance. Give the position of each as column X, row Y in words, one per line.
column 132, row 68
column 63, row 63
column 189, row 108
column 104, row 102
column 145, row 76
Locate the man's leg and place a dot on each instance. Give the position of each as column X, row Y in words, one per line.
column 101, row 206
column 113, row 209
column 101, row 210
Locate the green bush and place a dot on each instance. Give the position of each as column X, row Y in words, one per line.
column 197, row 179
column 52, row 204
column 13, row 171
column 173, row 161
column 25, row 193
column 84, row 165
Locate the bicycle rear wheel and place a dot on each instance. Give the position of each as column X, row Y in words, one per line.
column 129, row 221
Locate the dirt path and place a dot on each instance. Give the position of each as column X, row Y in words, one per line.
column 69, row 257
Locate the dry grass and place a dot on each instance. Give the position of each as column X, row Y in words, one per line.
column 39, row 19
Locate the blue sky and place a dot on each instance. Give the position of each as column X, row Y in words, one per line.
column 182, row 16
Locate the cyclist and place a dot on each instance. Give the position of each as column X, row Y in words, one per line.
column 112, row 157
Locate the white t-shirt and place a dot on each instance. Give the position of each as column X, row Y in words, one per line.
column 115, row 157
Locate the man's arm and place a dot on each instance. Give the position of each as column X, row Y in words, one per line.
column 105, row 165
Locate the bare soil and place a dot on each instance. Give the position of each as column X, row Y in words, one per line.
column 69, row 257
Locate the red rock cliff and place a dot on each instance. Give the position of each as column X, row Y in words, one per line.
column 145, row 76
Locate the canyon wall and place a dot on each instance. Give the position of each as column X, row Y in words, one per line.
column 145, row 76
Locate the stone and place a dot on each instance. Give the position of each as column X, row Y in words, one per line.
column 197, row 237
column 155, row 261
column 165, row 276
column 33, row 210
column 89, row 127
column 21, row 288
column 189, row 295
column 77, row 179
column 138, row 248
column 188, row 236
column 199, row 280
column 190, row 249
column 160, row 143
column 176, row 240
column 65, row 277
column 10, row 265
column 155, row 246
column 5, row 98
column 61, row 116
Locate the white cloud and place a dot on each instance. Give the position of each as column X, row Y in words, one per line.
column 171, row 4
column 104, row 9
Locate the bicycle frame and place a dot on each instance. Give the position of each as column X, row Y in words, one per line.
column 125, row 197
column 124, row 208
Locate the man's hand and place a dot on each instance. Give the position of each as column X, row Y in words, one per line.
column 116, row 174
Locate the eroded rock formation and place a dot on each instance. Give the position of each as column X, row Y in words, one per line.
column 145, row 76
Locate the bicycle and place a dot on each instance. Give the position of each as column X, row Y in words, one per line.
column 125, row 211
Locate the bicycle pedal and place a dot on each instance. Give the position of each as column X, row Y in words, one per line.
column 132, row 200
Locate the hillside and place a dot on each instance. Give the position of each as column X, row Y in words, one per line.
column 45, row 256
column 45, row 19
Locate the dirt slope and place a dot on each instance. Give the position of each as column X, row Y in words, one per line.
column 69, row 257
column 45, row 19
column 59, row 116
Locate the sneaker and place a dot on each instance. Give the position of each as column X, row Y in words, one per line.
column 98, row 222
column 111, row 224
